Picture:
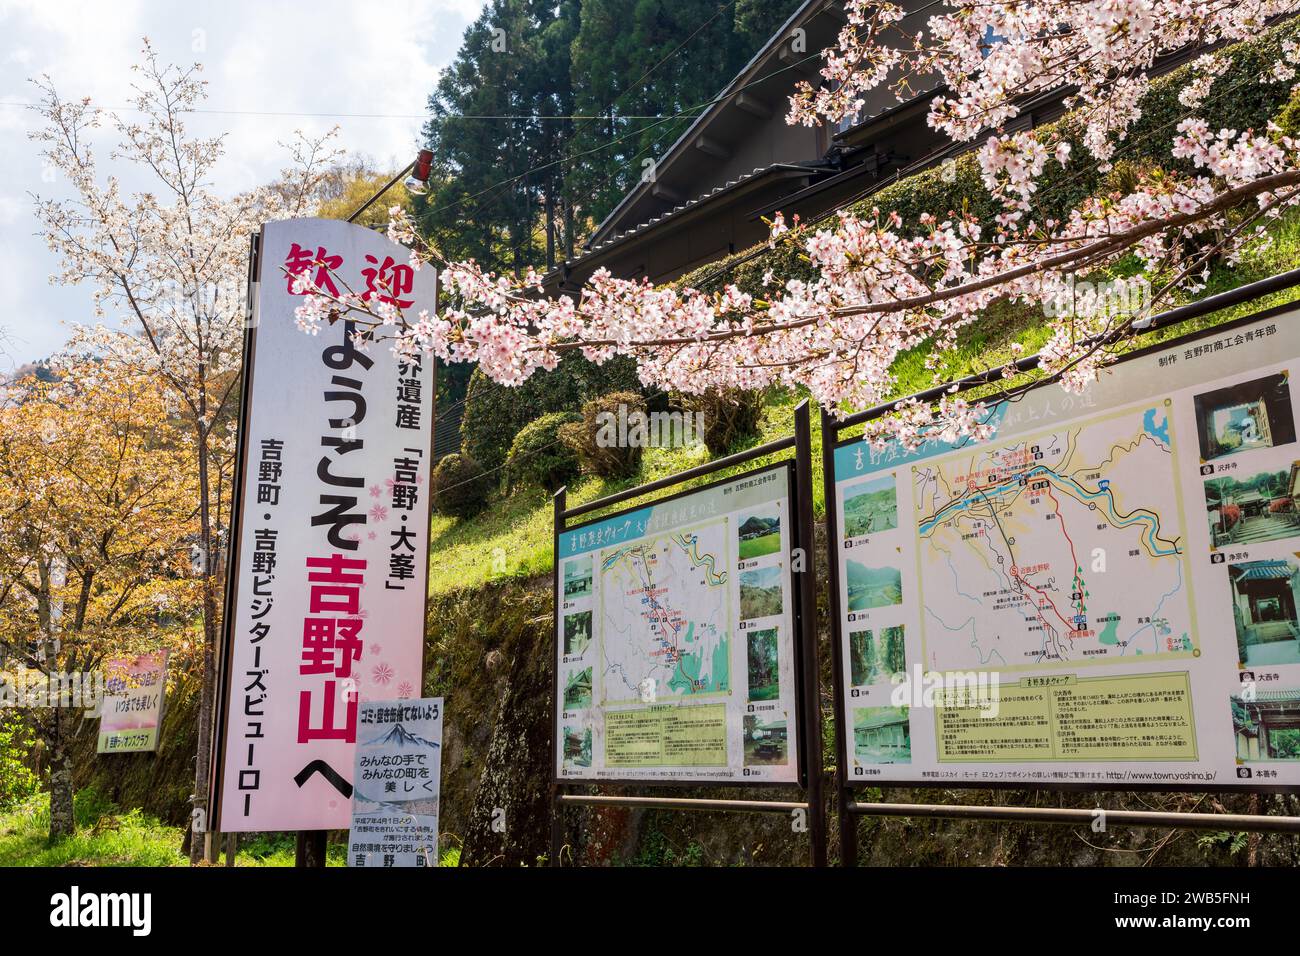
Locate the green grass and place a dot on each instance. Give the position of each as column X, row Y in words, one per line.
column 102, row 838
column 757, row 547
column 107, row 836
column 513, row 537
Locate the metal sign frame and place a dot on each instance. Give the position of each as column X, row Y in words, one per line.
column 807, row 702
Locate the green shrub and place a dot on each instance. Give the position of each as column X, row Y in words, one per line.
column 729, row 416
column 17, row 779
column 90, row 806
column 538, row 455
column 460, row 487
column 593, row 442
column 494, row 413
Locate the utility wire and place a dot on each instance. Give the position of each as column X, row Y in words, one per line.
column 596, row 149
column 697, row 108
column 514, row 117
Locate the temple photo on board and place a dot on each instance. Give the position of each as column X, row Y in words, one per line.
column 1255, row 414
column 1268, row 726
column 1264, row 601
column 1253, row 507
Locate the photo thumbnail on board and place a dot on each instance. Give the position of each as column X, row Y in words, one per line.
column 1267, row 725
column 760, row 593
column 881, row 735
column 577, row 578
column 1248, row 415
column 1254, row 507
column 872, row 587
column 577, row 746
column 876, row 655
column 758, row 535
column 871, row 507
column 763, row 660
column 766, row 741
column 577, row 690
column 577, row 633
column 1265, row 595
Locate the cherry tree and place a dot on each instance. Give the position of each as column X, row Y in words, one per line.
column 96, row 505
column 882, row 286
column 169, row 263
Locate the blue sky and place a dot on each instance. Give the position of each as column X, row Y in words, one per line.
column 324, row 57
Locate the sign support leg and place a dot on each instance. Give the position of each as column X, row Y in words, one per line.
column 560, row 503
column 812, row 712
column 848, row 821
column 309, row 852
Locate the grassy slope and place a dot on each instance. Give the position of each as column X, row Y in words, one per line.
column 520, row 525
column 108, row 837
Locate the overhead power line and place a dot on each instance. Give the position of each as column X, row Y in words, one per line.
column 512, row 117
column 697, row 108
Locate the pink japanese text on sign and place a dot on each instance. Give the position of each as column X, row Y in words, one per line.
column 328, row 576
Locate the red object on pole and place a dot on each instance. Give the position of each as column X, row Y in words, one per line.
column 423, row 165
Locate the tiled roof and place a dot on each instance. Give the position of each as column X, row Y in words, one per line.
column 689, row 204
column 1265, row 571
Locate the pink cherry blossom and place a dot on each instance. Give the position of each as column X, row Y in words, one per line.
column 881, row 286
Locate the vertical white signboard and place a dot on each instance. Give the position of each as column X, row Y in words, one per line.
column 329, row 562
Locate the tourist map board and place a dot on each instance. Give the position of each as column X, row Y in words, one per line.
column 1105, row 594
column 675, row 639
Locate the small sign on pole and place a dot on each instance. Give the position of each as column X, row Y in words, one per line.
column 396, row 783
column 134, row 692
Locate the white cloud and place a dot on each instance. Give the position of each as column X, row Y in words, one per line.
column 260, row 59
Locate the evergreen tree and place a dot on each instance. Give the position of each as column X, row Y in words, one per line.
column 489, row 127
column 657, row 59
column 526, row 190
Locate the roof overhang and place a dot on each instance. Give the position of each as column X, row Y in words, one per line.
column 758, row 91
column 659, row 228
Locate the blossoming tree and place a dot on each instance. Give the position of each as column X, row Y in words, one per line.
column 97, row 509
column 882, row 286
column 170, row 264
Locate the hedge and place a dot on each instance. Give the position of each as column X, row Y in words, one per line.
column 494, row 414
column 538, row 456
column 460, row 486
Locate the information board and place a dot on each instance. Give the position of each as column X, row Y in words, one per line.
column 135, row 689
column 397, row 784
column 1106, row 594
column 675, row 648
